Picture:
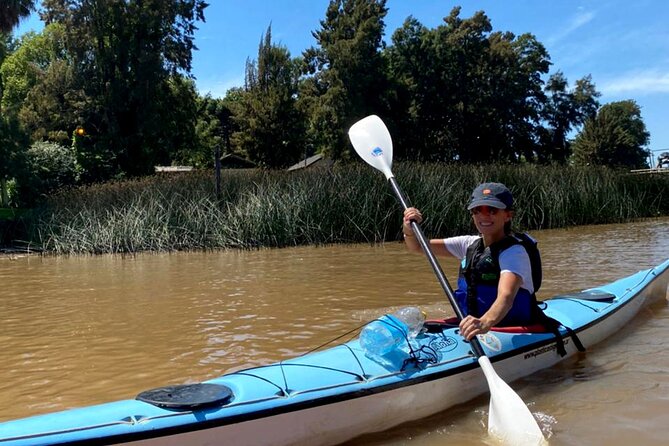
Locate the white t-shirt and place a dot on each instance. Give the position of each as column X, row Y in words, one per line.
column 512, row 260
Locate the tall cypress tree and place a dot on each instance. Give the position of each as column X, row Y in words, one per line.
column 270, row 126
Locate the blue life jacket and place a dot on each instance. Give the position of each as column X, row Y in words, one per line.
column 479, row 279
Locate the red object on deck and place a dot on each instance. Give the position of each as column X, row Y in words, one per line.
column 453, row 322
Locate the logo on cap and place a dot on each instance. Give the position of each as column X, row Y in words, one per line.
column 487, row 191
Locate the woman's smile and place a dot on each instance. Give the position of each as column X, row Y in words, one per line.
column 490, row 221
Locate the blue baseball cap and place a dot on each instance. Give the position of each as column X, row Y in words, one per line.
column 494, row 195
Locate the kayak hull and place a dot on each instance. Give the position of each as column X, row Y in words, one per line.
column 334, row 395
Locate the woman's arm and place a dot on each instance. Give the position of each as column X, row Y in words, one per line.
column 412, row 244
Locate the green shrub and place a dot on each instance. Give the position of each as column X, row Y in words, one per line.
column 50, row 168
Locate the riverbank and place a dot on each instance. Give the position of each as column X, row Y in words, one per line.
column 343, row 204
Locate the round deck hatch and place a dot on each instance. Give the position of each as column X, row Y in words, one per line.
column 187, row 396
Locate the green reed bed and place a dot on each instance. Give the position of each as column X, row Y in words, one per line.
column 348, row 203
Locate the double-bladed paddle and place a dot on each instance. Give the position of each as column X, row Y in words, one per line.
column 509, row 419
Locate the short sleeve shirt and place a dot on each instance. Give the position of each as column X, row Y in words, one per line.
column 512, row 260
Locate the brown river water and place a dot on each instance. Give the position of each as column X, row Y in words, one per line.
column 78, row 331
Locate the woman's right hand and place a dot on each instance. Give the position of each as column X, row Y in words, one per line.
column 411, row 214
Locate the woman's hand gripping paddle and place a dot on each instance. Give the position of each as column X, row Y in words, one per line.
column 509, row 419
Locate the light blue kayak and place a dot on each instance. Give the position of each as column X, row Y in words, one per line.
column 331, row 396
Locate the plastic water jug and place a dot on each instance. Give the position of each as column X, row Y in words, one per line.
column 381, row 336
column 413, row 318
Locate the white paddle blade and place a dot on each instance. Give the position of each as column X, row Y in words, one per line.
column 509, row 419
column 371, row 140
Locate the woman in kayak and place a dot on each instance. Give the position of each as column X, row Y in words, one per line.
column 496, row 286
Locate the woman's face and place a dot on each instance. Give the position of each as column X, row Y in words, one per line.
column 489, row 220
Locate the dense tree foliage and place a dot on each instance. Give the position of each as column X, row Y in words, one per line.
column 270, row 126
column 563, row 111
column 346, row 72
column 39, row 85
column 13, row 140
column 12, row 155
column 50, row 166
column 127, row 55
column 5, row 43
column 464, row 92
column 109, row 80
column 614, row 137
column 213, row 129
column 12, row 11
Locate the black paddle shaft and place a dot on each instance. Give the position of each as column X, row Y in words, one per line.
column 441, row 277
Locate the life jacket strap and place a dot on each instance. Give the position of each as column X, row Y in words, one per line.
column 553, row 325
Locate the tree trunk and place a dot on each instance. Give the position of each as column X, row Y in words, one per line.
column 4, row 197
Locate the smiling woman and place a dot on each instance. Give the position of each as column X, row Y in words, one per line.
column 496, row 285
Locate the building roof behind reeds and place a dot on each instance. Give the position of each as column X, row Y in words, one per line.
column 233, row 161
column 317, row 160
column 171, row 169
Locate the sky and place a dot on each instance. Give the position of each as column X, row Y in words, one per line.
column 622, row 44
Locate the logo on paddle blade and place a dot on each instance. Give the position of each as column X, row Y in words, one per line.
column 378, row 151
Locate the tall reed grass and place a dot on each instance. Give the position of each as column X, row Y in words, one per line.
column 348, row 203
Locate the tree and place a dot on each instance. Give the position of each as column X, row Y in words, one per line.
column 512, row 98
column 615, row 137
column 50, row 166
column 346, row 76
column 565, row 110
column 12, row 11
column 39, row 86
column 12, row 139
column 270, row 127
column 177, row 105
column 461, row 46
column 127, row 53
column 5, row 44
column 12, row 154
column 464, row 92
column 54, row 106
column 22, row 69
column 417, row 109
column 214, row 127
